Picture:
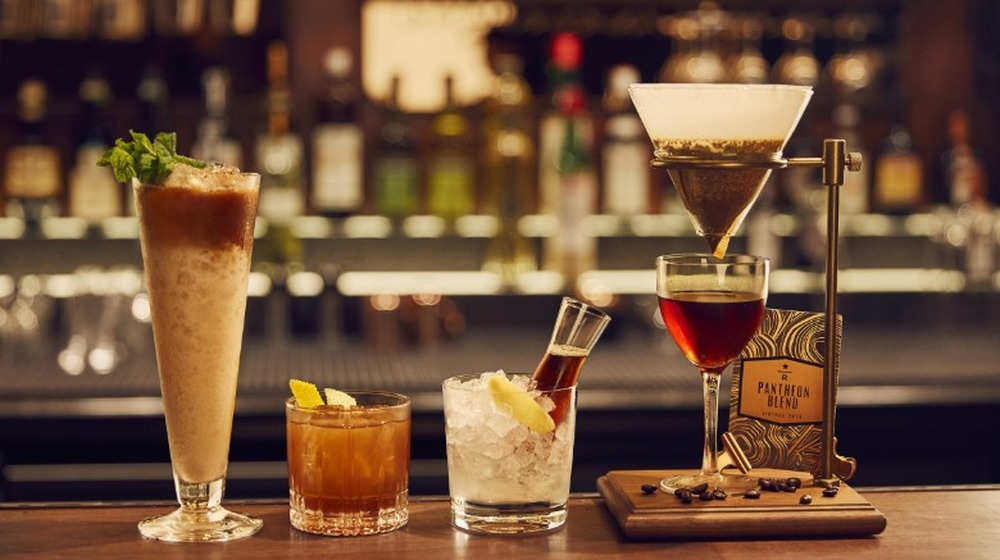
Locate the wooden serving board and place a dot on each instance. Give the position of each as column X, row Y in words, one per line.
column 773, row 515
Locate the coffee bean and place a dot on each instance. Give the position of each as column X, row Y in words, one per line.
column 784, row 487
column 719, row 494
column 806, row 499
column 830, row 492
column 768, row 484
column 648, row 488
column 706, row 496
column 700, row 489
column 684, row 495
column 794, row 482
column 752, row 494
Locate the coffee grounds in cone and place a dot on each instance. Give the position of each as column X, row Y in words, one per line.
column 718, row 199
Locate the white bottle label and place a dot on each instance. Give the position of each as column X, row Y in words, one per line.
column 626, row 178
column 338, row 151
column 94, row 195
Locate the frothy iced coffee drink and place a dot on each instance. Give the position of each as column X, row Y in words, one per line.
column 718, row 198
column 196, row 236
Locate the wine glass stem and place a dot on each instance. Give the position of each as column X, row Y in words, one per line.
column 709, row 459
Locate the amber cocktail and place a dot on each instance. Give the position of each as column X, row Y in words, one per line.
column 349, row 467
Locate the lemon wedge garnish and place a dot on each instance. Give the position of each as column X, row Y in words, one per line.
column 306, row 394
column 339, row 398
column 519, row 405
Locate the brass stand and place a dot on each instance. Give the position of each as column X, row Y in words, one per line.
column 660, row 516
column 834, row 161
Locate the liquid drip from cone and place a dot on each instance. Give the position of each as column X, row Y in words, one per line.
column 718, row 199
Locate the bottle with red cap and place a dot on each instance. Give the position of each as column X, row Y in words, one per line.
column 567, row 179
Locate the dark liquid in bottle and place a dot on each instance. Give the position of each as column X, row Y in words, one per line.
column 559, row 369
column 711, row 328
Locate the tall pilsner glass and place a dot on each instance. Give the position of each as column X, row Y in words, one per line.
column 196, row 233
column 712, row 307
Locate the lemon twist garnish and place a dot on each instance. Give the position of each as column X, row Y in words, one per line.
column 720, row 249
column 339, row 398
column 306, row 394
column 519, row 405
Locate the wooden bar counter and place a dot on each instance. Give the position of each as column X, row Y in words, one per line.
column 940, row 522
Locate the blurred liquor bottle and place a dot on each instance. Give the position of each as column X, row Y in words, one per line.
column 696, row 56
column 66, row 19
column 94, row 195
column 572, row 249
column 509, row 169
column 563, row 74
column 154, row 102
column 451, row 165
column 855, row 194
column 965, row 174
column 338, row 142
column 967, row 187
column 746, row 65
column 154, row 114
column 121, row 20
column 32, row 177
column 395, row 167
column 852, row 69
column 279, row 159
column 215, row 141
column 899, row 175
column 626, row 150
column 797, row 64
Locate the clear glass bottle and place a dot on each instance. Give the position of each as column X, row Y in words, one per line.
column 215, row 141
column 797, row 65
column 509, row 170
column 94, row 195
column 625, row 152
column 747, row 65
column 855, row 193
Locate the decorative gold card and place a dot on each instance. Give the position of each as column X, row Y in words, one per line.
column 776, row 406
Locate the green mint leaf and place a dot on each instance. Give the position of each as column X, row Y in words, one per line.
column 190, row 161
column 168, row 141
column 148, row 161
column 121, row 163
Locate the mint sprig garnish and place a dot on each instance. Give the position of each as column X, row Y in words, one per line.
column 149, row 161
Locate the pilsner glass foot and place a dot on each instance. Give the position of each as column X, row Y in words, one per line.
column 214, row 525
column 733, row 484
column 201, row 517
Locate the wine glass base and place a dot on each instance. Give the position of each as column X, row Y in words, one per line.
column 732, row 484
column 200, row 525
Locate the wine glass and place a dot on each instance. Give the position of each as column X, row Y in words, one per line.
column 711, row 306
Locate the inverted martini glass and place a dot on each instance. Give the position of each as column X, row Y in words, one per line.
column 725, row 126
column 723, row 140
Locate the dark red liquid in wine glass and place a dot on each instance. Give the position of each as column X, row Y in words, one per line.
column 711, row 328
